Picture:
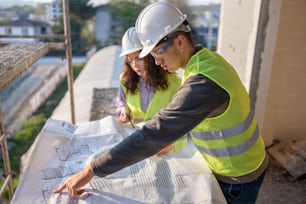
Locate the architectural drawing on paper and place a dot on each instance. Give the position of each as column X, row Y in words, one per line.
column 67, row 153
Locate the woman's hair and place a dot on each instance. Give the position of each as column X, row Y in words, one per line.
column 155, row 77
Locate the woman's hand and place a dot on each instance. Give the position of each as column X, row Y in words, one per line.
column 125, row 115
column 166, row 150
column 75, row 182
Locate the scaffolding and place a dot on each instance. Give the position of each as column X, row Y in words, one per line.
column 12, row 67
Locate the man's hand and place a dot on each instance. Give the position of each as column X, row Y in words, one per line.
column 164, row 151
column 75, row 182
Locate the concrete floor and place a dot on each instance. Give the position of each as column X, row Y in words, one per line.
column 278, row 188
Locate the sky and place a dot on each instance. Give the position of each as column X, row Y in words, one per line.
column 6, row 3
column 191, row 2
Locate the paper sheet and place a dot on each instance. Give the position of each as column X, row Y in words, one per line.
column 63, row 149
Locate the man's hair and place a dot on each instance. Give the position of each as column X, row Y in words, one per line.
column 182, row 28
column 187, row 35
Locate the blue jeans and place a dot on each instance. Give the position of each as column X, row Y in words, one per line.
column 245, row 193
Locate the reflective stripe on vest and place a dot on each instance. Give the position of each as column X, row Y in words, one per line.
column 230, row 142
column 225, row 134
column 230, row 151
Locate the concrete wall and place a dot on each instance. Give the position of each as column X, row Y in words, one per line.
column 237, row 35
column 285, row 115
column 265, row 41
column 26, row 95
column 102, row 70
column 267, row 35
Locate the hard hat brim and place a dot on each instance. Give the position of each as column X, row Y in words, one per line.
column 129, row 52
column 146, row 50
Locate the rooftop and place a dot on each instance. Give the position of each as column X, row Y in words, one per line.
column 26, row 22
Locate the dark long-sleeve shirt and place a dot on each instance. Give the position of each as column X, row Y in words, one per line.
column 197, row 99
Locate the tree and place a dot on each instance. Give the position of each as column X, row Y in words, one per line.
column 186, row 9
column 79, row 11
column 40, row 10
column 89, row 36
column 77, row 42
column 82, row 9
column 126, row 12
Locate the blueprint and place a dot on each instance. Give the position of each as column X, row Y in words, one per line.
column 62, row 149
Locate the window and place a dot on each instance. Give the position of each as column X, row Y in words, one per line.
column 24, row 31
column 8, row 31
column 43, row 30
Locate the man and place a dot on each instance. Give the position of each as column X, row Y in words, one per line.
column 212, row 105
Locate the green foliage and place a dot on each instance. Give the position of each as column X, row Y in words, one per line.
column 4, row 21
column 30, row 127
column 82, row 9
column 20, row 143
column 23, row 8
column 79, row 12
column 126, row 12
column 5, row 194
column 24, row 138
column 90, row 37
column 77, row 42
column 53, row 100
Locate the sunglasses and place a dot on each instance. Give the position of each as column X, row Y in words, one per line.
column 137, row 61
column 161, row 51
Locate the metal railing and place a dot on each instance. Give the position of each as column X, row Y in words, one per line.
column 67, row 47
column 6, row 160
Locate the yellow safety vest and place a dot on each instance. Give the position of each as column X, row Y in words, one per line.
column 160, row 99
column 230, row 143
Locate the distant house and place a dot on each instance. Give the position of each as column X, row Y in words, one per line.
column 24, row 27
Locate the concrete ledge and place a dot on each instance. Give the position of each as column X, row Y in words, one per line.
column 102, row 70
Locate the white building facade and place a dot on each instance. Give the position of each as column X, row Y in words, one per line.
column 24, row 27
column 53, row 10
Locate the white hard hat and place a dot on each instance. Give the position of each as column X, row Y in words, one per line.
column 130, row 42
column 156, row 21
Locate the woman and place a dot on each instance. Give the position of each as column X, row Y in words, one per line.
column 145, row 88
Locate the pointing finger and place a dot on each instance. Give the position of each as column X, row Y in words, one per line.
column 60, row 189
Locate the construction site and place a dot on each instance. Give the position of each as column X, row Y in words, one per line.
column 275, row 55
